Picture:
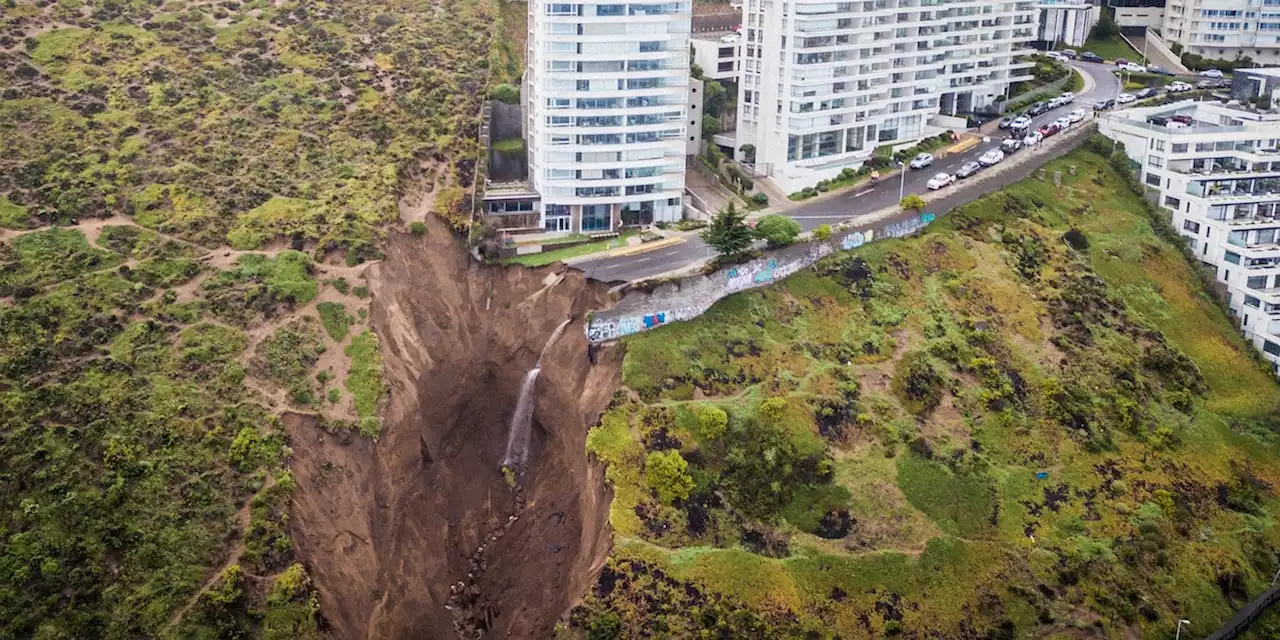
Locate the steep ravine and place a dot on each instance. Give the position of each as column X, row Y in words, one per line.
column 386, row 528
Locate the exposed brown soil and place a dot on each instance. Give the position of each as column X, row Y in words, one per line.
column 386, row 528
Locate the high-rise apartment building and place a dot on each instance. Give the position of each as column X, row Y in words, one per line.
column 826, row 82
column 1225, row 29
column 1219, row 181
column 606, row 87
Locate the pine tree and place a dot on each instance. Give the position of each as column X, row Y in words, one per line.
column 728, row 233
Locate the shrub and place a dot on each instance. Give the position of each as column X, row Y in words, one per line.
column 505, row 93
column 823, row 232
column 667, row 474
column 778, row 230
column 712, row 421
column 913, row 202
column 418, row 227
column 1077, row 239
column 760, row 199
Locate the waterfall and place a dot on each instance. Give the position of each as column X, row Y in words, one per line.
column 522, row 420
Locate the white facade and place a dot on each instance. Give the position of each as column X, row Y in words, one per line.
column 718, row 54
column 606, row 90
column 1224, row 29
column 1067, row 21
column 825, row 82
column 1220, row 181
column 1150, row 17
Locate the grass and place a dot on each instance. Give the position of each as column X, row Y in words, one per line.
column 1093, row 407
column 333, row 315
column 1109, row 49
column 364, row 381
column 556, row 255
column 41, row 258
column 12, row 216
column 509, row 146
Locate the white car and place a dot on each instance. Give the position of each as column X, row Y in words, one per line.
column 941, row 180
column 1063, row 122
column 1032, row 138
column 991, row 157
column 1055, row 102
column 1021, row 122
column 1176, row 87
column 1067, row 98
column 1133, row 68
column 1125, row 98
column 1076, row 116
column 922, row 160
column 1211, row 73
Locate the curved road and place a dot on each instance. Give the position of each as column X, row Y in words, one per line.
column 852, row 203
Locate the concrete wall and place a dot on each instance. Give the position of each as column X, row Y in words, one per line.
column 688, row 298
column 1152, row 17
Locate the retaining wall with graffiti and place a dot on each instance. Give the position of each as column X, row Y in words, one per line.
column 687, row 298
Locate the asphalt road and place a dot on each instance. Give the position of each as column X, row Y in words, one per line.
column 851, row 204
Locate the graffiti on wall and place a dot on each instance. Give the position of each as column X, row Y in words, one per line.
column 704, row 291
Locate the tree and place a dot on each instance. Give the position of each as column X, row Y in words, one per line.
column 712, row 421
column 507, row 93
column 778, row 230
column 913, row 202
column 728, row 234
column 667, row 473
column 748, row 152
column 710, row 126
column 713, row 100
column 1106, row 27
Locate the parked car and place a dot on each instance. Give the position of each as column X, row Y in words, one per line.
column 967, row 169
column 1174, row 124
column 1057, row 56
column 1007, row 121
column 1069, row 53
column 991, row 157
column 1049, row 130
column 1076, row 115
column 1207, row 84
column 1037, row 109
column 1160, row 71
column 1145, row 93
column 922, row 160
column 1055, row 102
column 1125, row 98
column 1132, row 67
column 1103, row 105
column 1175, row 87
column 939, row 181
column 1062, row 123
column 1068, row 97
column 1159, row 121
column 1009, row 145
column 1032, row 138
column 1211, row 73
column 1182, row 117
column 1021, row 122
column 1089, row 56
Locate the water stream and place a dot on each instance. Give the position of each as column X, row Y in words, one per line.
column 522, row 420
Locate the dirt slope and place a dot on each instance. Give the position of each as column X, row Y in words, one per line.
column 387, row 527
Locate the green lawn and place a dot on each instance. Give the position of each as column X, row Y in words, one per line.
column 1109, row 49
column 547, row 257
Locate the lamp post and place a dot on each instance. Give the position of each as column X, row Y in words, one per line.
column 1178, row 635
column 902, row 184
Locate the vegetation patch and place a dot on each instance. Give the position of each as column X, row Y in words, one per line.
column 364, row 380
column 333, row 315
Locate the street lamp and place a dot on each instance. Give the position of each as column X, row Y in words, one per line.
column 1178, row 635
column 902, row 184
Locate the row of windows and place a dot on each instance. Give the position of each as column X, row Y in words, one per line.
column 557, row 9
column 613, row 121
column 615, row 138
column 605, row 103
column 602, row 174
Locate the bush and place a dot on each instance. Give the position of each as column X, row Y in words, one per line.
column 418, row 227
column 505, row 93
column 760, row 199
column 712, row 421
column 1077, row 239
column 823, row 232
column 913, row 202
column 667, row 474
column 777, row 230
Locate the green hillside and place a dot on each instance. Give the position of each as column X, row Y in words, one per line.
column 1030, row 420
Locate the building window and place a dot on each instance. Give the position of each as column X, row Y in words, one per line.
column 610, row 9
column 562, row 10
column 1173, row 203
column 1250, row 301
column 1270, row 347
column 1153, row 179
column 1155, row 161
column 1256, row 282
column 1180, row 148
column 1193, row 227
column 1158, row 145
column 1233, row 258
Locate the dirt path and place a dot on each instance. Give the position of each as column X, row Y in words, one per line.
column 242, row 519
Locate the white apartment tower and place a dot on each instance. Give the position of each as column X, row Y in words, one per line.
column 605, row 93
column 1219, row 181
column 1225, row 29
column 825, row 82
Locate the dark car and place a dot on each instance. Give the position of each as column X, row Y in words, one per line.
column 1070, row 53
column 967, row 169
column 1159, row 121
column 1120, row 62
column 1009, row 145
column 1037, row 109
column 1090, row 56
column 1207, row 84
column 1184, row 119
column 1103, row 105
column 1049, row 130
column 1160, row 71
column 1145, row 93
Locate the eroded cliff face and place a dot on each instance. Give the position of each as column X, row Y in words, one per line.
column 386, row 528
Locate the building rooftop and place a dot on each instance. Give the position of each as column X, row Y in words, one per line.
column 716, row 36
column 1270, row 72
